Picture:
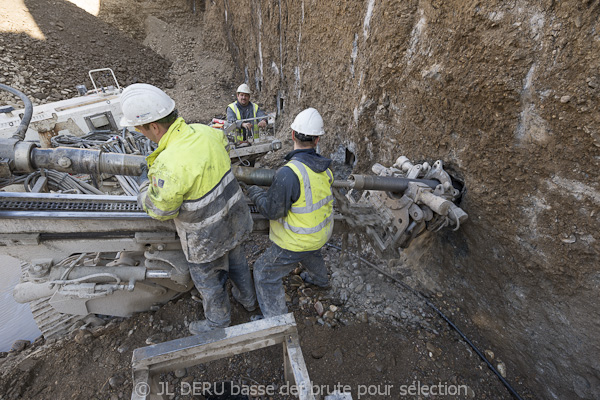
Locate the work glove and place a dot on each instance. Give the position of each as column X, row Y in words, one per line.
column 244, row 187
column 142, row 196
column 253, row 192
column 143, row 176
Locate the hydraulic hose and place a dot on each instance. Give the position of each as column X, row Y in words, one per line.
column 60, row 181
column 22, row 129
column 421, row 296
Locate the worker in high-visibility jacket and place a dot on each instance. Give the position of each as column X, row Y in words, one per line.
column 190, row 181
column 299, row 205
column 244, row 109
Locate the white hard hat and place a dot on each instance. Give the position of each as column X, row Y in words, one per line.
column 243, row 88
column 309, row 122
column 142, row 103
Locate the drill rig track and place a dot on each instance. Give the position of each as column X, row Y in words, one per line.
column 52, row 205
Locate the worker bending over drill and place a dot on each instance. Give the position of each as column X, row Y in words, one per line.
column 299, row 205
column 190, row 181
column 244, row 109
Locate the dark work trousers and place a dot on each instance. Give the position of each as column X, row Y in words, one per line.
column 273, row 265
column 210, row 279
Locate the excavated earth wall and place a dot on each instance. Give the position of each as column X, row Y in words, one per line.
column 506, row 93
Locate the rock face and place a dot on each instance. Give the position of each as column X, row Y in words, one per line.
column 506, row 93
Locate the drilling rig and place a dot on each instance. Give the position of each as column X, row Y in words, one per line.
column 96, row 252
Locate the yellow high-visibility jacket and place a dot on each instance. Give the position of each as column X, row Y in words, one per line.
column 191, row 182
column 238, row 115
column 309, row 223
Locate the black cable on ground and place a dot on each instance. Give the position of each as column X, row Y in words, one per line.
column 420, row 295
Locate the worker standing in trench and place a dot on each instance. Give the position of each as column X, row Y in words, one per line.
column 299, row 205
column 190, row 181
column 243, row 109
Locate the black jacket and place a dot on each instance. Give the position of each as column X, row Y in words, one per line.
column 285, row 189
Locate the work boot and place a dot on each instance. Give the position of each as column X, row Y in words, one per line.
column 202, row 326
column 236, row 293
column 250, row 308
column 307, row 278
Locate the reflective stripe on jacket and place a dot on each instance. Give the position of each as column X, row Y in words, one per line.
column 191, row 182
column 309, row 223
column 238, row 115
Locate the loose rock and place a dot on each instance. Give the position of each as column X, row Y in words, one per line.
column 19, row 345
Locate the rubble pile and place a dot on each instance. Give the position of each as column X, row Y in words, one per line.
column 49, row 78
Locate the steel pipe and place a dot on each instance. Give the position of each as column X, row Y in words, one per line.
column 264, row 177
column 68, row 159
column 254, row 176
column 18, row 153
column 386, row 183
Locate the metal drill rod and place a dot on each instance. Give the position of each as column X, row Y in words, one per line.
column 68, row 159
column 249, row 119
column 264, row 177
column 254, row 176
column 385, row 183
